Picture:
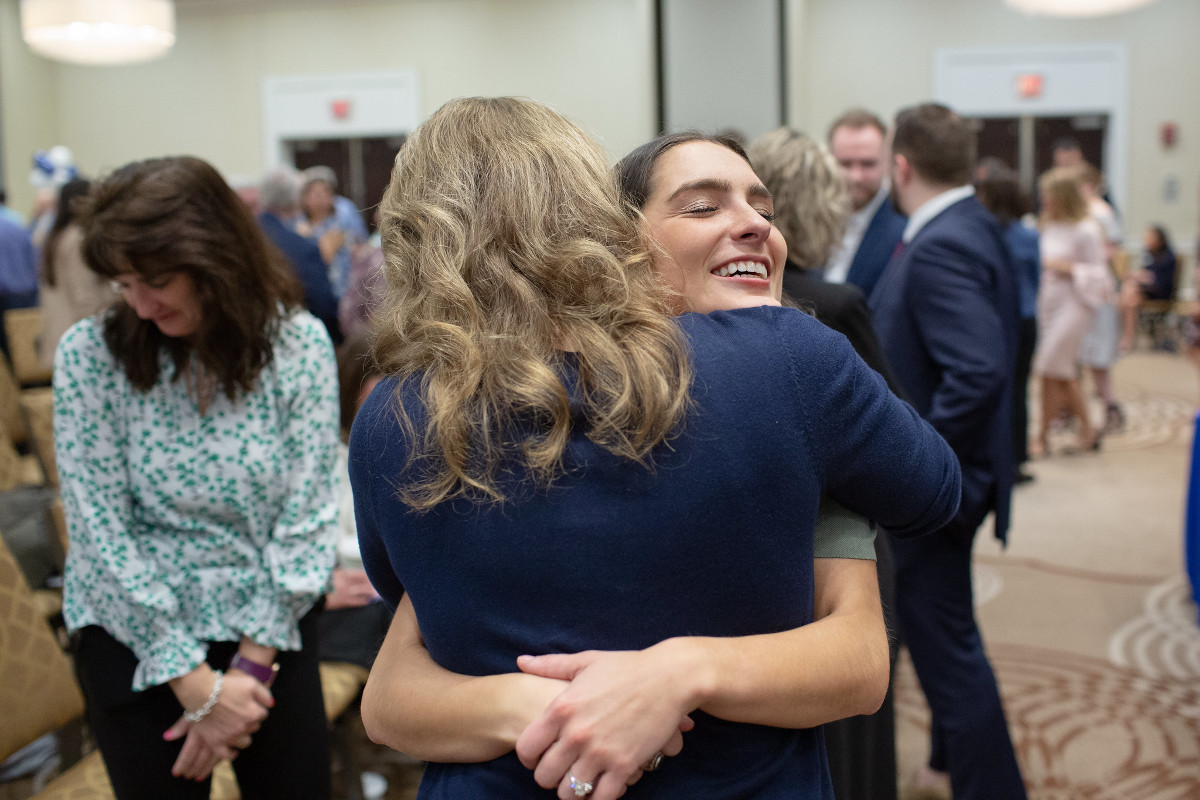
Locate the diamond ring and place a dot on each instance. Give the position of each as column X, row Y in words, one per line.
column 581, row 788
column 653, row 763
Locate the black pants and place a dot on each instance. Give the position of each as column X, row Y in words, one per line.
column 862, row 749
column 289, row 756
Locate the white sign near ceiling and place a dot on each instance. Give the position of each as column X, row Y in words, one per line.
column 337, row 107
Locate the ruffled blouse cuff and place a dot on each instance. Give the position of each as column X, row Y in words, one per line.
column 272, row 623
column 171, row 655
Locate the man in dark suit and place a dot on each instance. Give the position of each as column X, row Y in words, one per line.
column 279, row 198
column 857, row 141
column 946, row 313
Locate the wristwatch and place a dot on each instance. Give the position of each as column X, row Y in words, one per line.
column 264, row 674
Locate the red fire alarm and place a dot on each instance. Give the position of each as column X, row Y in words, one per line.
column 1168, row 134
column 1029, row 85
column 340, row 109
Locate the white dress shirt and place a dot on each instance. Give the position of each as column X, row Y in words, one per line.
column 932, row 207
column 838, row 266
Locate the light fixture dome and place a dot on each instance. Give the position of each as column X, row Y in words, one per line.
column 1075, row 8
column 99, row 31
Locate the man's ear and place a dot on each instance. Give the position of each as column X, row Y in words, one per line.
column 901, row 170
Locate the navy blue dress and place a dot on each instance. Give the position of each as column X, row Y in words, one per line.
column 716, row 540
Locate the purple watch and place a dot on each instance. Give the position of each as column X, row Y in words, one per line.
column 264, row 674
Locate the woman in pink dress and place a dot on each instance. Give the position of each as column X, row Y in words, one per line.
column 1075, row 281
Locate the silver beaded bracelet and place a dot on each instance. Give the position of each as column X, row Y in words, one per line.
column 213, row 696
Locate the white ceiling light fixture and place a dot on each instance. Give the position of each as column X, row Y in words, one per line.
column 1075, row 8
column 99, row 31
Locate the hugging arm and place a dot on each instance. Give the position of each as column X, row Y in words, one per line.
column 622, row 707
column 414, row 705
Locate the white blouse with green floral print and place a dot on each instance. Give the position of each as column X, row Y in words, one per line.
column 185, row 527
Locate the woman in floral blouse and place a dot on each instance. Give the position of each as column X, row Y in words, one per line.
column 196, row 432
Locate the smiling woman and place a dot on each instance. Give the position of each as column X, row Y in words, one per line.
column 719, row 249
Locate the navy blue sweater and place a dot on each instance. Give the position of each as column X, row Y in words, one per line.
column 716, row 540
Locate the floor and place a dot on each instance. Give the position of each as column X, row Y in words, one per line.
column 1087, row 615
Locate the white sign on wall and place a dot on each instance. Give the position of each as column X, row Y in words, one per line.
column 337, row 107
column 1073, row 80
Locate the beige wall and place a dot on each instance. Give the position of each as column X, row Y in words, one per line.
column 204, row 98
column 879, row 53
column 29, row 110
column 593, row 59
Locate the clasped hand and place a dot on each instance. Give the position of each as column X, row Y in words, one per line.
column 239, row 712
column 619, row 709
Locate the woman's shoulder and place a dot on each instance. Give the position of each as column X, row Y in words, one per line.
column 85, row 337
column 760, row 343
column 299, row 332
column 377, row 432
column 82, row 352
column 744, row 328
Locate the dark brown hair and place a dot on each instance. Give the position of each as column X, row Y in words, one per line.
column 1001, row 193
column 173, row 215
column 68, row 198
column 938, row 143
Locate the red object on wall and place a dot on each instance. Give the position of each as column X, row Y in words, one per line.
column 1029, row 85
column 340, row 109
column 1168, row 134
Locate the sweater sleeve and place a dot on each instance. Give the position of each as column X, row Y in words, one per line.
column 874, row 453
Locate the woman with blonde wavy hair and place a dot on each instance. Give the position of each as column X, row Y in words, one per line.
column 554, row 465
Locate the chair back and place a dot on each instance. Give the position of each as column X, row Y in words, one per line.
column 38, row 405
column 24, row 329
column 38, row 692
column 11, row 418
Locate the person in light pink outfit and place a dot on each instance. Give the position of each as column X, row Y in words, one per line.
column 1075, row 282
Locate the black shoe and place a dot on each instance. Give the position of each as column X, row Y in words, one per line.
column 1021, row 476
column 1114, row 419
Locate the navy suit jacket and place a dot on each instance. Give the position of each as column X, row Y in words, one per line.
column 875, row 251
column 310, row 268
column 946, row 313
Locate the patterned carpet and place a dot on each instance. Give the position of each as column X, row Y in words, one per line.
column 1088, row 616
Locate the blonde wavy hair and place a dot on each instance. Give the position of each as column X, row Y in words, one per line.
column 811, row 201
column 506, row 245
column 1061, row 186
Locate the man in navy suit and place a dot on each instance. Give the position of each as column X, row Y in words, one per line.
column 946, row 313
column 857, row 141
column 279, row 198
